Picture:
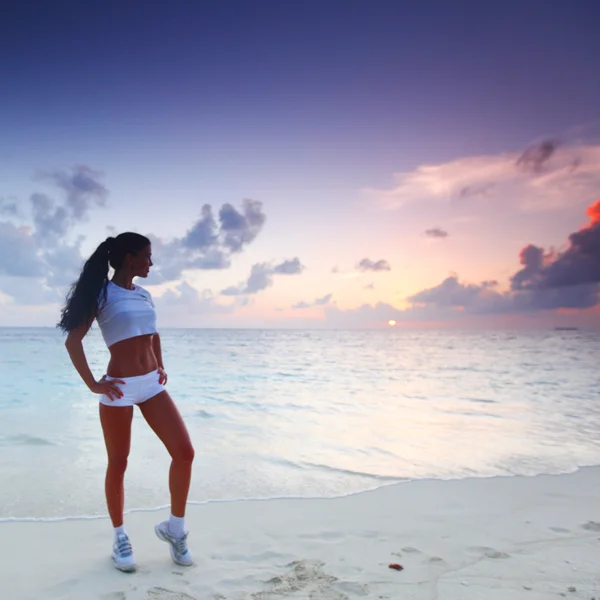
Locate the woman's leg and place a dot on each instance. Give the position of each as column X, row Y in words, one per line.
column 116, row 426
column 163, row 417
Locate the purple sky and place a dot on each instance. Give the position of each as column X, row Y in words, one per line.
column 383, row 131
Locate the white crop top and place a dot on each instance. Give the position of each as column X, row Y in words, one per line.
column 125, row 313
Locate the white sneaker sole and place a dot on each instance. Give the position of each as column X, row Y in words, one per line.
column 124, row 568
column 161, row 537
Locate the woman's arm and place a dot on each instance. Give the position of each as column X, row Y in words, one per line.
column 74, row 345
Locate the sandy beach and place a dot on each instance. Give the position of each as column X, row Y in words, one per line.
column 497, row 538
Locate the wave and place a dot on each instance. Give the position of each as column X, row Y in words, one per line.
column 368, row 490
column 338, row 470
column 24, row 439
column 204, row 414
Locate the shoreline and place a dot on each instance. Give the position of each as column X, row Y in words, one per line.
column 506, row 536
column 192, row 503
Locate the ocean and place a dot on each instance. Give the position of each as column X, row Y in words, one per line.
column 276, row 413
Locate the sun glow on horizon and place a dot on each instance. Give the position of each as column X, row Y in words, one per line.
column 391, row 323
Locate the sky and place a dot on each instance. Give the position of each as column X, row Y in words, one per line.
column 318, row 164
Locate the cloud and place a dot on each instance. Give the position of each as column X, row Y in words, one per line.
column 536, row 156
column 323, row 301
column 46, row 255
column 210, row 242
column 19, row 254
column 436, row 232
column 366, row 264
column 548, row 281
column 241, row 228
column 82, row 187
column 473, row 191
column 21, row 291
column 233, row 231
column 370, row 286
column 289, row 267
column 545, row 176
column 453, row 294
column 63, row 263
column 578, row 265
column 39, row 258
column 193, row 301
column 52, row 222
column 9, row 207
column 261, row 277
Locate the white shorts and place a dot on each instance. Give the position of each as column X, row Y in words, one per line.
column 136, row 389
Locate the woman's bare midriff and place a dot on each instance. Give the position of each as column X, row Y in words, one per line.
column 132, row 357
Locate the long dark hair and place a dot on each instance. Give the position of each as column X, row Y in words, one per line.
column 90, row 288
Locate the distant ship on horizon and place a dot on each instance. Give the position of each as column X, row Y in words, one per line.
column 566, row 329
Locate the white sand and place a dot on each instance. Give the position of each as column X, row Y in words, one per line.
column 502, row 538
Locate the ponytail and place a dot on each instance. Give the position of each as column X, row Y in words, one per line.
column 84, row 295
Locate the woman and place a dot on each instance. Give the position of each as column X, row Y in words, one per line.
column 135, row 376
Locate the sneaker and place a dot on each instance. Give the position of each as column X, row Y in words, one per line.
column 122, row 554
column 178, row 546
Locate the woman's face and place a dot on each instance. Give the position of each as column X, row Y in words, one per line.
column 141, row 262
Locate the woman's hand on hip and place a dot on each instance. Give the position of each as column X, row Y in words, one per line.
column 162, row 376
column 108, row 387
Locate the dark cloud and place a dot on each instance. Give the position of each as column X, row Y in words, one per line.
column 534, row 157
column 452, row 294
column 436, row 232
column 46, row 257
column 572, row 297
column 578, row 265
column 204, row 233
column 82, row 187
column 241, row 228
column 289, row 267
column 37, row 260
column 261, row 277
column 209, row 243
column 366, row 264
column 323, row 301
column 547, row 282
column 52, row 222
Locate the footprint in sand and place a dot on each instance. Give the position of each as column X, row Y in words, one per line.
column 436, row 559
column 591, row 526
column 411, row 550
column 159, row 593
column 559, row 530
column 489, row 552
column 303, row 576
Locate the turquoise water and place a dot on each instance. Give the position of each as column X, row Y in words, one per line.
column 303, row 413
